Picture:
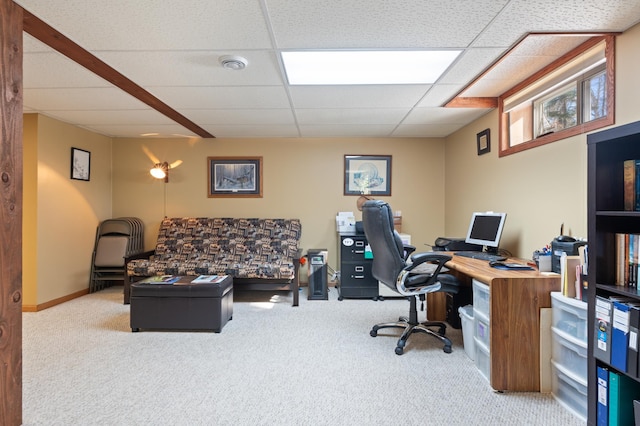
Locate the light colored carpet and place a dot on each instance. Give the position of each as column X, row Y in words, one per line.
column 271, row 365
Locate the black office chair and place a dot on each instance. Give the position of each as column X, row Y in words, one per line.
column 395, row 266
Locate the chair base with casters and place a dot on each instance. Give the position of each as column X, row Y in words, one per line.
column 411, row 325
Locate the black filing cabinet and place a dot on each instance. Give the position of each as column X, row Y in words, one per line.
column 356, row 281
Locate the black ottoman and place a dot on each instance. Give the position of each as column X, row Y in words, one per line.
column 182, row 306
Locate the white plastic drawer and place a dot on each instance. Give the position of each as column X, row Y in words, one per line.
column 481, row 298
column 569, row 391
column 483, row 360
column 569, row 315
column 569, row 353
column 481, row 330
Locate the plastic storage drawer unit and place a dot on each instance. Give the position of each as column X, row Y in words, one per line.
column 481, row 329
column 569, row 353
column 483, row 360
column 481, row 298
column 569, row 315
column 569, row 390
column 466, row 318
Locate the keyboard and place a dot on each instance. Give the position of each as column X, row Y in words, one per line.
column 480, row 255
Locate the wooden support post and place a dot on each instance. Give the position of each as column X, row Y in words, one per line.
column 10, row 213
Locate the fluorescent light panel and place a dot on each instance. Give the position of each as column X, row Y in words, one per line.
column 367, row 66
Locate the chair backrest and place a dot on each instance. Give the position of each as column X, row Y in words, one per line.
column 385, row 243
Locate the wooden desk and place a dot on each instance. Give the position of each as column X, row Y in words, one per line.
column 515, row 301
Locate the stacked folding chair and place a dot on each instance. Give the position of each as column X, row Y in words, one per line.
column 115, row 240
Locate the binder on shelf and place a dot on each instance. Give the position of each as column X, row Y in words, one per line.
column 620, row 335
column 602, row 412
column 632, row 350
column 622, row 391
column 602, row 333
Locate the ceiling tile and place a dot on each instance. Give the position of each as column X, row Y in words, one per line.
column 347, row 131
column 401, row 96
column 351, row 116
column 153, row 25
column 194, row 68
column 222, row 97
column 311, row 24
column 250, row 117
column 444, row 115
column 283, row 131
column 80, row 98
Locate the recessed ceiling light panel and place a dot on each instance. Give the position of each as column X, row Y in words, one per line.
column 366, row 66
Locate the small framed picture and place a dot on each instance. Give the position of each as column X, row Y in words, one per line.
column 367, row 175
column 235, row 177
column 484, row 142
column 80, row 164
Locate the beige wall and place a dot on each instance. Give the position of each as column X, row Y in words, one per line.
column 68, row 211
column 302, row 178
column 540, row 188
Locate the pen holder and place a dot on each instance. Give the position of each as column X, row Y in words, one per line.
column 544, row 263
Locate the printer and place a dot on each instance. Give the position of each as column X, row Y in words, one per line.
column 563, row 244
column 454, row 244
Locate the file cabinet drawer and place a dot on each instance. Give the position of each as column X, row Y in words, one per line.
column 481, row 298
column 569, row 353
column 569, row 315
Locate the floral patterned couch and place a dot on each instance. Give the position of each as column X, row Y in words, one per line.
column 258, row 253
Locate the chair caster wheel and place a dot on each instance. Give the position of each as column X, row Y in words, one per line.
column 399, row 350
column 447, row 349
column 135, row 330
column 373, row 333
column 340, row 298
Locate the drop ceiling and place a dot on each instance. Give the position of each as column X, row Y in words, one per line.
column 170, row 48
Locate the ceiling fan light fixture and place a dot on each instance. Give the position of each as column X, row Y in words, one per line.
column 160, row 171
column 233, row 62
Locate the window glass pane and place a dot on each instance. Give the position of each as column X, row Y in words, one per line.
column 557, row 111
column 595, row 97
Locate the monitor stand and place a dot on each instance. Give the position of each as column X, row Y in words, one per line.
column 490, row 250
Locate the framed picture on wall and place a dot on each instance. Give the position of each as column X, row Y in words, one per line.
column 234, row 177
column 483, row 140
column 367, row 175
column 80, row 164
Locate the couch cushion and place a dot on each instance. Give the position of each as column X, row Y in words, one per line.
column 243, row 248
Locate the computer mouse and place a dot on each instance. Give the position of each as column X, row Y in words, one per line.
column 565, row 239
column 494, row 263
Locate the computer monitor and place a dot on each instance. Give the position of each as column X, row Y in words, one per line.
column 485, row 229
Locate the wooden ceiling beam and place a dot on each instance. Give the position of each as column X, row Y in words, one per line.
column 62, row 44
column 462, row 102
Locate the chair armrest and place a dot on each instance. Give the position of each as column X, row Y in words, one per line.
column 408, row 249
column 420, row 258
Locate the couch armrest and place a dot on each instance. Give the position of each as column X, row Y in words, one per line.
column 143, row 255
column 127, row 281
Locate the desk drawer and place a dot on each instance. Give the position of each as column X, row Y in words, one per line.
column 481, row 298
